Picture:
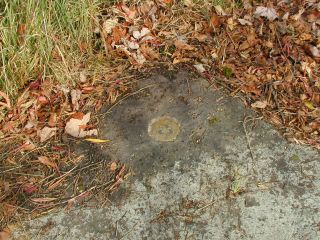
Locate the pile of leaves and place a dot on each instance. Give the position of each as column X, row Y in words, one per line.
column 266, row 51
column 39, row 171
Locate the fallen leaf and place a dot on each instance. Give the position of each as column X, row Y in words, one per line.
column 313, row 16
column 200, row 68
column 77, row 115
column 168, row 2
column 109, row 24
column 75, row 127
column 42, row 100
column 231, row 24
column 311, row 50
column 183, row 46
column 27, row 146
column 259, row 104
column 180, row 60
column 45, row 161
column 21, row 33
column 250, row 42
column 200, row 37
column 52, row 119
column 244, row 22
column 131, row 45
column 215, row 21
column 285, row 16
column 5, row 235
column 267, row 12
column 140, row 34
column 113, row 166
column 130, row 12
column 29, row 188
column 149, row 53
column 309, row 105
column 96, row 140
column 297, row 16
column 188, row 3
column 82, row 77
column 118, row 33
column 46, row 133
column 219, row 10
column 7, row 103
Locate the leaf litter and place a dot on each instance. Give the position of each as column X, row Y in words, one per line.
column 266, row 51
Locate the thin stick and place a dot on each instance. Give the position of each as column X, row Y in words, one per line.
column 248, row 142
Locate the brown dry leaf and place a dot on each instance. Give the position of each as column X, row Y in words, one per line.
column 109, row 24
column 52, row 119
column 259, row 104
column 75, row 127
column 21, row 33
column 297, row 16
column 118, row 33
column 149, row 53
column 27, row 146
column 250, row 42
column 6, row 98
column 78, row 115
column 188, row 3
column 311, row 50
column 215, row 21
column 45, row 161
column 183, row 46
column 313, row 15
column 113, row 166
column 168, row 2
column 251, row 89
column 180, row 60
column 200, row 37
column 130, row 12
column 46, row 133
column 231, row 23
column 5, row 235
column 220, row 10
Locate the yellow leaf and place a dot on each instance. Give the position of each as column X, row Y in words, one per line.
column 96, row 140
column 309, row 105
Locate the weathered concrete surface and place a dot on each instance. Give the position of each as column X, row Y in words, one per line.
column 220, row 178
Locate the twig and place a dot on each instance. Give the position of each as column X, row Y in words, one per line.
column 127, row 233
column 248, row 142
column 127, row 96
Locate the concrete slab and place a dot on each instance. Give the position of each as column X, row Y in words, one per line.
column 220, row 177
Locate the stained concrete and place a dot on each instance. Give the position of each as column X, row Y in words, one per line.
column 222, row 177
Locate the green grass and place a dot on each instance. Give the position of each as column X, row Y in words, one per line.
column 49, row 45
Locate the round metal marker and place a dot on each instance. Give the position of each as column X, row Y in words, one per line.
column 164, row 129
